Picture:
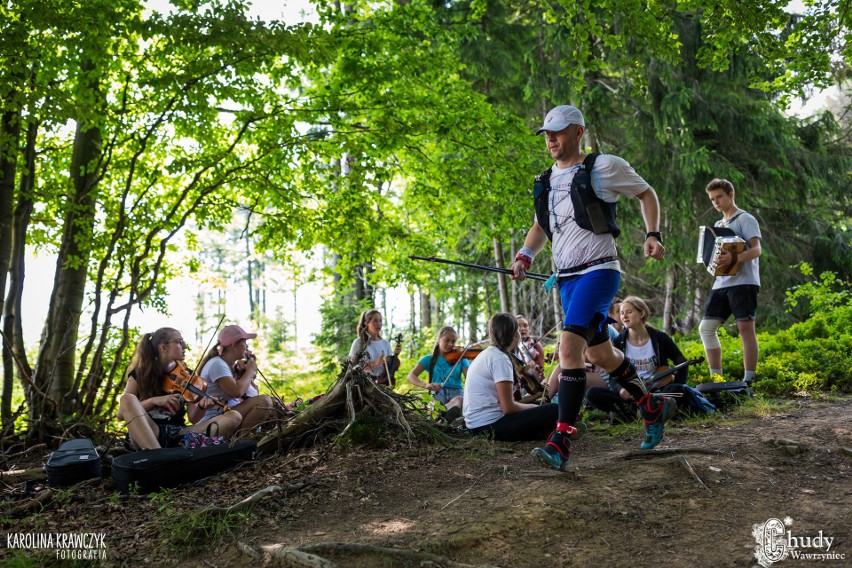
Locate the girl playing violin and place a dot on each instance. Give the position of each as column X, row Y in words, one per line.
column 378, row 349
column 445, row 378
column 229, row 369
column 155, row 418
column 489, row 406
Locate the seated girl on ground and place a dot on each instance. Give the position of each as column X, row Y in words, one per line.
column 648, row 349
column 489, row 407
column 445, row 378
column 155, row 418
column 230, row 370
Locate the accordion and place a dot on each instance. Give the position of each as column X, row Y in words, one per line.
column 713, row 240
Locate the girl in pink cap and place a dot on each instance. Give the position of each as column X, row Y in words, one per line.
column 230, row 370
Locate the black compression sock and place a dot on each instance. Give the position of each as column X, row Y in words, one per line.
column 572, row 386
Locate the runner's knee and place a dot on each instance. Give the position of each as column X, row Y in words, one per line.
column 708, row 330
column 580, row 331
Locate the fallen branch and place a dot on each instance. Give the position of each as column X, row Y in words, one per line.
column 686, row 465
column 18, row 475
column 26, row 451
column 464, row 492
column 649, row 454
column 43, row 499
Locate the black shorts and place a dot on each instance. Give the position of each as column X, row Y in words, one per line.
column 169, row 435
column 738, row 300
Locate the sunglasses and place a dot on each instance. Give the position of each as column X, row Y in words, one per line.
column 180, row 342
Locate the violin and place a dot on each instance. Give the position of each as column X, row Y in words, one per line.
column 388, row 376
column 188, row 385
column 525, row 376
column 664, row 375
column 528, row 360
column 470, row 354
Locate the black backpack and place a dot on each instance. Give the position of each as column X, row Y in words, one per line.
column 74, row 461
column 590, row 212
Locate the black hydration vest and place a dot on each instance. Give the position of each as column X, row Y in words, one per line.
column 590, row 212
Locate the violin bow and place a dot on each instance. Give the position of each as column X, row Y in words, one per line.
column 465, row 350
column 201, row 358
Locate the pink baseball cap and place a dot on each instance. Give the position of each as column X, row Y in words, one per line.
column 230, row 334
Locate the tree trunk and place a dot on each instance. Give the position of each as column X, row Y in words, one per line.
column 515, row 304
column 412, row 305
column 425, row 311
column 54, row 371
column 249, row 275
column 10, row 132
column 501, row 278
column 473, row 307
column 668, row 301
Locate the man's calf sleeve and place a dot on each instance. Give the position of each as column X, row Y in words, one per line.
column 708, row 331
column 572, row 387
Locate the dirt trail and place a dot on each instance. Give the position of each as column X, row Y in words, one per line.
column 480, row 503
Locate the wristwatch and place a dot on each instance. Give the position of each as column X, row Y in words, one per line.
column 656, row 234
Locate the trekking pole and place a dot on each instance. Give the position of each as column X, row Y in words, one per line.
column 530, row 275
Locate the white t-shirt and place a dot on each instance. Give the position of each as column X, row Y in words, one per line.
column 643, row 358
column 746, row 227
column 376, row 348
column 612, row 176
column 481, row 406
column 213, row 370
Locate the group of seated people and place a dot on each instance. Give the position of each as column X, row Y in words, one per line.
column 496, row 401
column 156, row 415
column 500, row 391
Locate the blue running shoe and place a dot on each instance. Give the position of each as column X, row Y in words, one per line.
column 555, row 453
column 654, row 413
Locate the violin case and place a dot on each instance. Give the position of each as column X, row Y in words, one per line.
column 149, row 470
column 72, row 462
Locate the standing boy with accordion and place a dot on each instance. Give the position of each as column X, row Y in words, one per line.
column 735, row 294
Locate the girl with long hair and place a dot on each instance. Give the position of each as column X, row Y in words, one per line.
column 377, row 349
column 155, row 418
column 445, row 378
column 489, row 404
column 647, row 349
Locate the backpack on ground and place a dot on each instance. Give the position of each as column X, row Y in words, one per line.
column 696, row 402
column 725, row 395
column 74, row 461
column 150, row 470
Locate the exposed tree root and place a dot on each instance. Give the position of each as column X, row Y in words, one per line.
column 650, row 454
column 250, row 501
column 353, row 394
column 309, row 555
column 285, row 555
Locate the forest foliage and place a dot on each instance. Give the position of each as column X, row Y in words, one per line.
column 382, row 130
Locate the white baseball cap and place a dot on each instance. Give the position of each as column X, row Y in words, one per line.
column 561, row 117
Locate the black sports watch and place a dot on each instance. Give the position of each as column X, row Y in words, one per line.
column 656, row 234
